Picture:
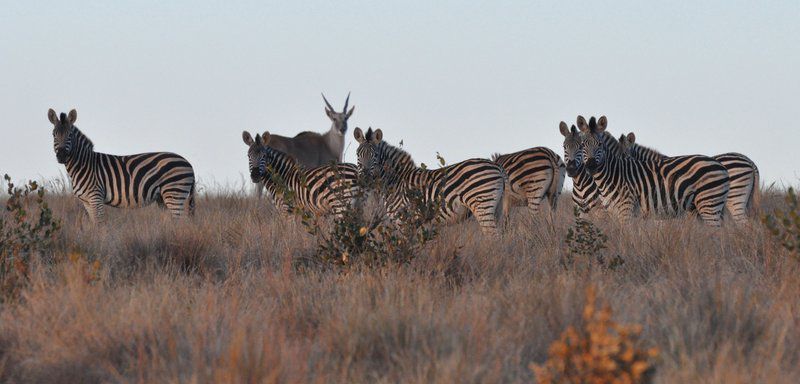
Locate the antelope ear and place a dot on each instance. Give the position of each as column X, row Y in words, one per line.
column 562, row 127
column 602, row 124
column 266, row 137
column 52, row 116
column 247, row 138
column 259, row 140
column 329, row 113
column 359, row 135
column 631, row 138
column 582, row 124
column 73, row 115
column 347, row 116
column 378, row 135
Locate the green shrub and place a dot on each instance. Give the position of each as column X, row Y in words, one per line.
column 586, row 242
column 27, row 227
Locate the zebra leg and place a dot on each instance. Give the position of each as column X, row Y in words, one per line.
column 710, row 209
column 95, row 209
column 487, row 209
column 259, row 189
column 741, row 190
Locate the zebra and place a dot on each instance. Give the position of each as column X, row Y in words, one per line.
column 100, row 179
column 473, row 186
column 329, row 189
column 669, row 186
column 533, row 174
column 312, row 149
column 743, row 173
column 585, row 193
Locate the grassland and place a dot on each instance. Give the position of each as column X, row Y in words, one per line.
column 219, row 299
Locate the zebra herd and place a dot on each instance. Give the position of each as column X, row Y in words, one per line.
column 617, row 175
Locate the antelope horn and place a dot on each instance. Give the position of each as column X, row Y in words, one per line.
column 327, row 103
column 345, row 103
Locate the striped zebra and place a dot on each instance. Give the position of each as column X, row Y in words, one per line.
column 473, row 186
column 585, row 193
column 320, row 190
column 670, row 186
column 743, row 173
column 533, row 175
column 100, row 179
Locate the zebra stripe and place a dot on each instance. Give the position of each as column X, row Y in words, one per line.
column 473, row 186
column 533, row 174
column 670, row 186
column 320, row 190
column 100, row 179
column 742, row 171
column 585, row 193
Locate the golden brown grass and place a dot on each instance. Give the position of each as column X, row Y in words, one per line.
column 218, row 299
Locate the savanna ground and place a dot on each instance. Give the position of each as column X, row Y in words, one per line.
column 220, row 298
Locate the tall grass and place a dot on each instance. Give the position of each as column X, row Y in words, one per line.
column 219, row 298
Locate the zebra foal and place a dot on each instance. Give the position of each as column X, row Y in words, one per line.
column 130, row 181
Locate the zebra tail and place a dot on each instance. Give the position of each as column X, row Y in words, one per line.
column 754, row 203
column 190, row 205
column 557, row 181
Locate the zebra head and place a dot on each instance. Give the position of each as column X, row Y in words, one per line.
column 593, row 148
column 572, row 153
column 257, row 155
column 63, row 129
column 367, row 152
column 627, row 143
column 338, row 119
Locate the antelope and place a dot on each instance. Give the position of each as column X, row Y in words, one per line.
column 311, row 149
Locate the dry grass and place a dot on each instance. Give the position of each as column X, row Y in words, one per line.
column 219, row 299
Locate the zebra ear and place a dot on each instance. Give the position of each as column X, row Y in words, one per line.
column 602, row 124
column 359, row 135
column 73, row 115
column 247, row 138
column 52, row 116
column 378, row 135
column 265, row 137
column 582, row 124
column 562, row 127
column 631, row 138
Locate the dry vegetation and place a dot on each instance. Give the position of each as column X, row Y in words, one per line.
column 224, row 298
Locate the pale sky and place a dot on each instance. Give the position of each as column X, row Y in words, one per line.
column 462, row 78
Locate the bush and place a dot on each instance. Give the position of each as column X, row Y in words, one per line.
column 785, row 225
column 602, row 351
column 360, row 237
column 26, row 228
column 586, row 241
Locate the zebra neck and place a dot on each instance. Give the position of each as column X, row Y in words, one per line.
column 81, row 162
column 287, row 171
column 582, row 181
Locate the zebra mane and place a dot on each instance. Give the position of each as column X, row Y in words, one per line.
column 647, row 151
column 397, row 154
column 612, row 145
column 496, row 156
column 82, row 139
